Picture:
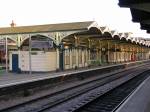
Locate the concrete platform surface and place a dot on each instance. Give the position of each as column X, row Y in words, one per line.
column 8, row 79
column 139, row 101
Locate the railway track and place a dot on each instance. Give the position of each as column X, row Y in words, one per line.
column 49, row 102
column 110, row 101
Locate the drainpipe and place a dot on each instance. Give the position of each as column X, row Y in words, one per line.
column 30, row 48
column 6, row 55
column 108, row 52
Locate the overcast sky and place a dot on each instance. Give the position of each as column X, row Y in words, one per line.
column 35, row 12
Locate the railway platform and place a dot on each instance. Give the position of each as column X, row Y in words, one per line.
column 11, row 79
column 139, row 100
column 8, row 79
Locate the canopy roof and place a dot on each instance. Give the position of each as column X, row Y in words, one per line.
column 140, row 10
column 83, row 29
column 46, row 28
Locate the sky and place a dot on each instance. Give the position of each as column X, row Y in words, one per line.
column 36, row 12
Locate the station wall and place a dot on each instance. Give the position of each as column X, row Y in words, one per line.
column 41, row 61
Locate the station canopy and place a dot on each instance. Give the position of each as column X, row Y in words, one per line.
column 87, row 29
column 46, row 28
column 140, row 10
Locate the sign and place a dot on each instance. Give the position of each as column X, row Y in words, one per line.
column 42, row 44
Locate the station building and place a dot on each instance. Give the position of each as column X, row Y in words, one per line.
column 44, row 48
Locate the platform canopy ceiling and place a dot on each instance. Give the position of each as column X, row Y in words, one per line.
column 140, row 10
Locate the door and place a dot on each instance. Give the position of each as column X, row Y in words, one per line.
column 61, row 60
column 15, row 66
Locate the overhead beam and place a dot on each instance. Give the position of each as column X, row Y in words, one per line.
column 139, row 15
column 145, row 26
column 129, row 3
